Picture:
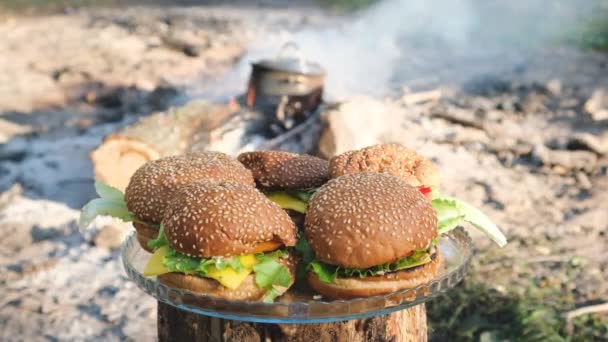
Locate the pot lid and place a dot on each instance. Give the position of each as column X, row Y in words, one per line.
column 292, row 61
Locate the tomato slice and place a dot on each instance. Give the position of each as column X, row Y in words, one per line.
column 267, row 247
column 425, row 190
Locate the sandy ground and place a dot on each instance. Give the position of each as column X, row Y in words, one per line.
column 523, row 141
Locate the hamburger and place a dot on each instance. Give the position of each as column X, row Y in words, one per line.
column 371, row 234
column 226, row 240
column 421, row 173
column 392, row 159
column 152, row 186
column 289, row 179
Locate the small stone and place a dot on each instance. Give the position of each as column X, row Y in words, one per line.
column 590, row 142
column 597, row 105
column 554, row 86
column 562, row 161
column 583, row 181
column 110, row 237
column 542, row 250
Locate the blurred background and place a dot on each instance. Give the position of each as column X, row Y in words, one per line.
column 509, row 98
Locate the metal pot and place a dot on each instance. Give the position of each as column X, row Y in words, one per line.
column 288, row 75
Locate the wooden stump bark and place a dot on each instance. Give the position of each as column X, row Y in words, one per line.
column 178, row 325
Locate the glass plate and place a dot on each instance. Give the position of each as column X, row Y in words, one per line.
column 299, row 305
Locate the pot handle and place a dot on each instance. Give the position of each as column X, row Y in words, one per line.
column 292, row 49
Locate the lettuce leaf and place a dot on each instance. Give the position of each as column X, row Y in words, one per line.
column 160, row 241
column 110, row 203
column 328, row 273
column 307, row 255
column 272, row 275
column 452, row 211
column 303, row 195
column 178, row 262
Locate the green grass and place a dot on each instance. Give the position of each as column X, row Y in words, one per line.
column 593, row 32
column 594, row 36
column 347, row 5
column 49, row 6
column 474, row 311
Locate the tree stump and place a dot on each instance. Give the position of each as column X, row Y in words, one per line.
column 178, row 325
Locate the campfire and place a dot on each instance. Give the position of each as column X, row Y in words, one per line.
column 280, row 110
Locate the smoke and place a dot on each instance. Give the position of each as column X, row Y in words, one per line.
column 401, row 42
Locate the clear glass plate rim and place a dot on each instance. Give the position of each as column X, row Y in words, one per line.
column 459, row 234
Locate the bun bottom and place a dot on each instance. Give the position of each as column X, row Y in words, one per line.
column 353, row 287
column 247, row 291
column 145, row 233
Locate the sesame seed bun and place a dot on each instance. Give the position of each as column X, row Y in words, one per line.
column 247, row 291
column 353, row 287
column 208, row 219
column 393, row 159
column 145, row 233
column 284, row 170
column 152, row 185
column 366, row 219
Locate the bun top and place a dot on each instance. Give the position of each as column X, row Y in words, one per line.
column 393, row 159
column 153, row 184
column 208, row 219
column 285, row 170
column 366, row 219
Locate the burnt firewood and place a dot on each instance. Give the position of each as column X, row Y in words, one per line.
column 176, row 131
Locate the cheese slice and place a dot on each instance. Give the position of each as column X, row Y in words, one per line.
column 228, row 276
column 155, row 264
column 286, row 201
column 231, row 278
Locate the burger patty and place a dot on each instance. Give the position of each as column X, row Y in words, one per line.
column 408, row 272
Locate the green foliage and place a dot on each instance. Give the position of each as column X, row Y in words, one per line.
column 348, row 5
column 476, row 312
column 49, row 6
column 593, row 33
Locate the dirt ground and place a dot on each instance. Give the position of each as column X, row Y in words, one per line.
column 521, row 133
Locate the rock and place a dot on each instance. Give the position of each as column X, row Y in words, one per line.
column 9, row 195
column 597, row 105
column 9, row 172
column 464, row 117
column 9, row 130
column 561, row 160
column 16, row 236
column 583, row 181
column 110, row 237
column 354, row 124
column 589, row 142
column 554, row 86
column 15, row 150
